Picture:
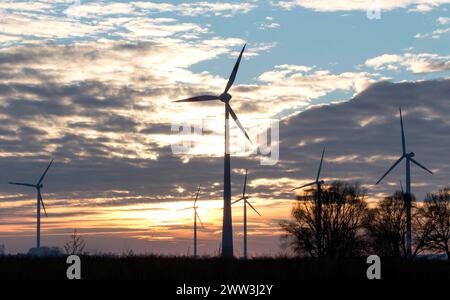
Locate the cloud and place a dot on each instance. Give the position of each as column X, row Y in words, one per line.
column 272, row 25
column 362, row 136
column 200, row 8
column 36, row 6
column 422, row 8
column 443, row 20
column 108, row 106
column 298, row 85
column 416, row 63
column 40, row 22
column 360, row 5
column 269, row 24
column 192, row 9
column 437, row 33
column 112, row 100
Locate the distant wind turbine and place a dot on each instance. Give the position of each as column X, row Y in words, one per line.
column 38, row 186
column 245, row 198
column 407, row 196
column 318, row 183
column 196, row 216
column 225, row 97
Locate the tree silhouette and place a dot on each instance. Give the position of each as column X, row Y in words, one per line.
column 435, row 216
column 342, row 219
column 386, row 226
column 76, row 244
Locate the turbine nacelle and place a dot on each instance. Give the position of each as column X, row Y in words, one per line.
column 411, row 154
column 318, row 181
column 225, row 97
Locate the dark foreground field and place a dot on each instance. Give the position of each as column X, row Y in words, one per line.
column 214, row 269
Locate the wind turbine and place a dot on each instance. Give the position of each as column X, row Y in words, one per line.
column 318, row 183
column 196, row 216
column 38, row 186
column 245, row 198
column 225, row 97
column 409, row 159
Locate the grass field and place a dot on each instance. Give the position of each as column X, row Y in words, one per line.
column 215, row 269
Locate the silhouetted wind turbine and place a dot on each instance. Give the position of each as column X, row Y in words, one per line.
column 225, row 97
column 196, row 216
column 409, row 159
column 38, row 186
column 245, row 198
column 318, row 183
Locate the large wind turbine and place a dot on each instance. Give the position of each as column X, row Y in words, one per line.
column 318, row 183
column 409, row 159
column 245, row 198
column 225, row 97
column 38, row 186
column 196, row 216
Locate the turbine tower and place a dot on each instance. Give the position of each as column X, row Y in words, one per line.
column 318, row 183
column 407, row 196
column 38, row 186
column 245, row 198
column 196, row 216
column 225, row 97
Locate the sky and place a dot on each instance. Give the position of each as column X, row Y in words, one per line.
column 91, row 84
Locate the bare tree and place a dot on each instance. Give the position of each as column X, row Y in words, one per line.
column 435, row 215
column 342, row 216
column 422, row 230
column 76, row 244
column 386, row 226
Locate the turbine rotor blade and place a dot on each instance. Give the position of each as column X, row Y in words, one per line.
column 234, row 72
column 45, row 172
column 253, row 207
column 403, row 132
column 199, row 98
column 320, row 166
column 23, row 184
column 240, row 199
column 235, row 118
column 198, row 217
column 184, row 209
column 42, row 202
column 390, row 169
column 305, row 185
column 420, row 165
